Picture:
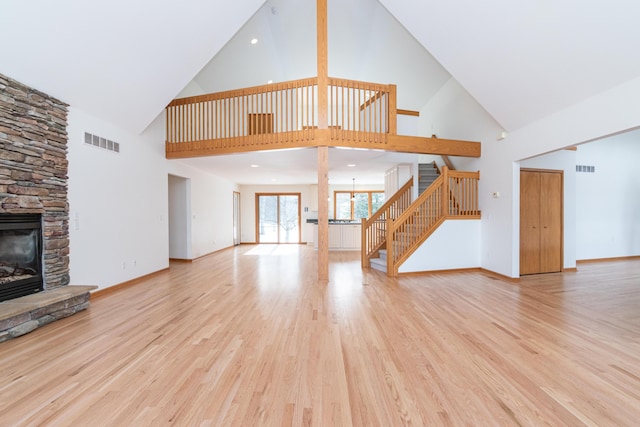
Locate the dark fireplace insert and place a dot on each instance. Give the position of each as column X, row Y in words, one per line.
column 20, row 255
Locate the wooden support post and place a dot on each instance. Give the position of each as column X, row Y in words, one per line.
column 323, row 213
column 323, row 64
column 323, row 149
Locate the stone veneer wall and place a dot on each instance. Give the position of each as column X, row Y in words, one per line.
column 33, row 169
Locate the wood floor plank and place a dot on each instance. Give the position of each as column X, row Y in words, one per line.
column 249, row 336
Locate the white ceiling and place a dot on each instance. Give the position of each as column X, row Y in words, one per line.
column 120, row 60
column 365, row 43
column 525, row 60
column 123, row 61
column 286, row 167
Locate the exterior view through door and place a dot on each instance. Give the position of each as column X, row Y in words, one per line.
column 278, row 218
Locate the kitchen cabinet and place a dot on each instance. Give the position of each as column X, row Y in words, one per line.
column 342, row 237
column 351, row 236
column 335, row 236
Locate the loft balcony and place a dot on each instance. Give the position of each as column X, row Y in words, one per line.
column 292, row 115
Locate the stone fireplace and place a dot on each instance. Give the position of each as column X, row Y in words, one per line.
column 34, row 238
column 33, row 170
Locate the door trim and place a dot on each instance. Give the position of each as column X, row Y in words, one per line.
column 257, row 216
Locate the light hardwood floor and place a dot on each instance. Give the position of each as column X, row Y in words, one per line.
column 248, row 337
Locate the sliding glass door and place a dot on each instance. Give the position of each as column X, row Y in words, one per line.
column 278, row 218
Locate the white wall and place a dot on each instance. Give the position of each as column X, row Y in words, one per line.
column 608, row 200
column 248, row 202
column 248, row 210
column 564, row 160
column 210, row 209
column 610, row 112
column 453, row 114
column 408, row 125
column 118, row 203
column 454, row 245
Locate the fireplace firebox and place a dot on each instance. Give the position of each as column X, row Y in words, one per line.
column 20, row 255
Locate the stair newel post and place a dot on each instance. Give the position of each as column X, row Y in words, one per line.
column 391, row 255
column 364, row 249
column 445, row 191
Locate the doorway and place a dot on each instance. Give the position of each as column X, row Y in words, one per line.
column 236, row 218
column 278, row 217
column 541, row 228
column 179, row 217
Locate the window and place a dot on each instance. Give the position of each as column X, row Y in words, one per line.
column 353, row 206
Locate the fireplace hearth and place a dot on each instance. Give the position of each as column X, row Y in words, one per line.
column 20, row 255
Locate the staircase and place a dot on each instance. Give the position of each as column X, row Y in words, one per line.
column 427, row 173
column 380, row 262
column 390, row 238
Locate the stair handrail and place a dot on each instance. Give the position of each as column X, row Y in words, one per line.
column 373, row 229
column 407, row 232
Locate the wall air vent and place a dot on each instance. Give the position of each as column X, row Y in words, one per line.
column 585, row 168
column 98, row 141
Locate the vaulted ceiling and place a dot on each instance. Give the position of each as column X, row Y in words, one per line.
column 124, row 61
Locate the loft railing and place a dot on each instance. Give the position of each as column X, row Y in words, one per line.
column 453, row 195
column 281, row 115
column 374, row 228
column 361, row 111
column 243, row 119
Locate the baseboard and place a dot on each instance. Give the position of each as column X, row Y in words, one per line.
column 447, row 271
column 500, row 276
column 213, row 253
column 464, row 270
column 200, row 257
column 570, row 270
column 115, row 288
column 621, row 258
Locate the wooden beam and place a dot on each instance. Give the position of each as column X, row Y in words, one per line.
column 422, row 145
column 400, row 143
column 408, row 113
column 447, row 161
column 246, row 144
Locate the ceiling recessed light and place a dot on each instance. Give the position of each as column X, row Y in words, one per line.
column 269, row 82
column 273, row 179
column 254, row 41
column 255, row 166
column 351, row 165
